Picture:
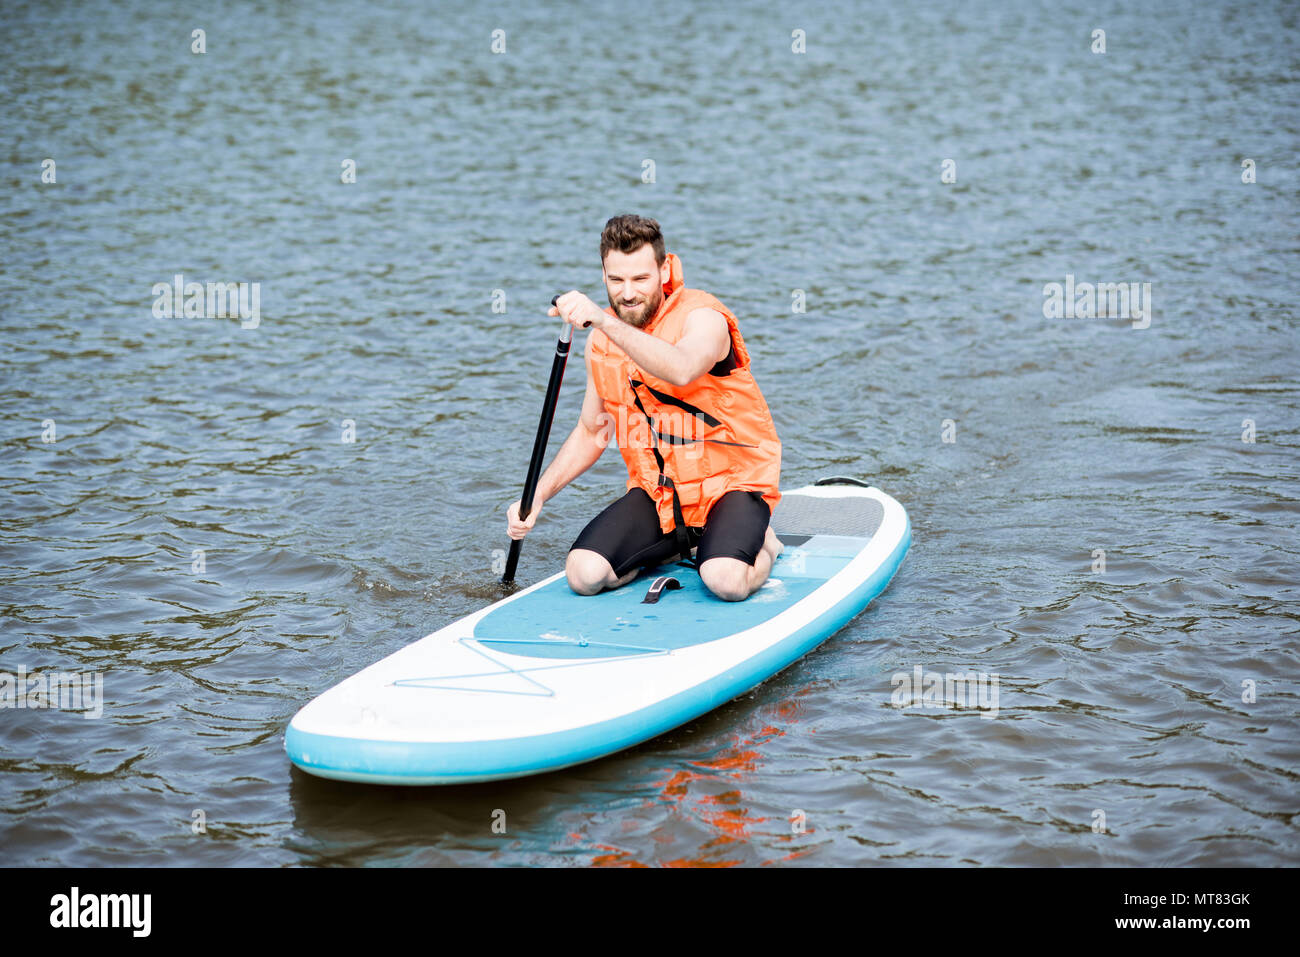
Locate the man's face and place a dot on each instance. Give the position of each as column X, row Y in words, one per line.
column 634, row 283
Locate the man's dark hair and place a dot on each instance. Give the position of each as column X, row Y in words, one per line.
column 628, row 233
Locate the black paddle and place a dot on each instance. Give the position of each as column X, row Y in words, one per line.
column 539, row 443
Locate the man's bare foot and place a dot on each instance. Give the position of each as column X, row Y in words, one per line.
column 772, row 545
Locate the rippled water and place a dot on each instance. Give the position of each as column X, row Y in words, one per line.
column 1121, row 691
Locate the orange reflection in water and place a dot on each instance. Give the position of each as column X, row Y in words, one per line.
column 724, row 813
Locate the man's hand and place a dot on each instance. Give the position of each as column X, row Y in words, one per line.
column 514, row 527
column 578, row 310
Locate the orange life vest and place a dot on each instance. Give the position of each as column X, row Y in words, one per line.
column 704, row 439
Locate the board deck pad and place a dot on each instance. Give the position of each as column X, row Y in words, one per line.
column 617, row 622
column 546, row 678
column 812, row 515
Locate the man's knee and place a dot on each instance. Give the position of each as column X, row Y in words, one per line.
column 728, row 578
column 588, row 572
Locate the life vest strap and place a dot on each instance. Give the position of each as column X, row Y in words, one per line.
column 679, row 520
column 711, row 421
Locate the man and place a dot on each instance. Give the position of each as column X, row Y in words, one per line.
column 668, row 375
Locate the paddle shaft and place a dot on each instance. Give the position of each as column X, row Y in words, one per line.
column 539, row 442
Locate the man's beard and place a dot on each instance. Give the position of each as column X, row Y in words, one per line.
column 641, row 313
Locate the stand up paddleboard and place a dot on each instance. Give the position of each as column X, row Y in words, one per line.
column 546, row 678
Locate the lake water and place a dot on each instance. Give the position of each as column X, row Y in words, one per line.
column 1147, row 712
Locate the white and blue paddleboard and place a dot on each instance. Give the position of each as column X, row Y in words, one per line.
column 546, row 678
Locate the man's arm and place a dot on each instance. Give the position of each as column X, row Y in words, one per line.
column 705, row 339
column 583, row 446
column 580, row 451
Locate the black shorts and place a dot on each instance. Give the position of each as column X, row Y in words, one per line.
column 627, row 533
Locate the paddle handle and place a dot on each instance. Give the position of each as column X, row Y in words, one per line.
column 539, row 442
column 554, row 299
